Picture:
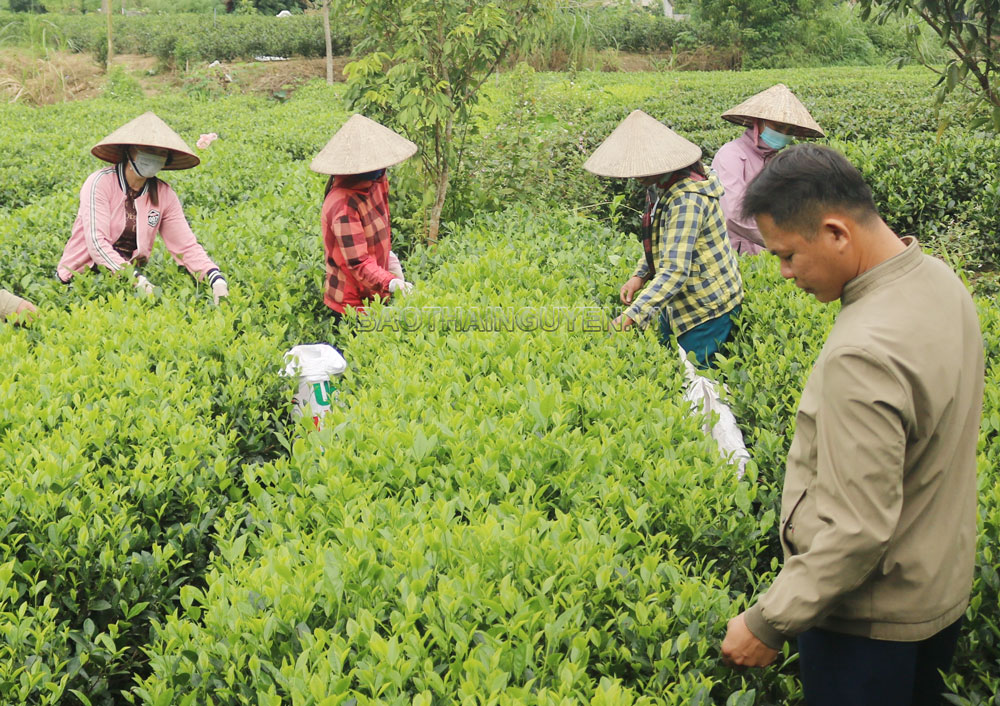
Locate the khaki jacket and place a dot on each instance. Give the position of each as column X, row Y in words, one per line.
column 878, row 516
column 8, row 303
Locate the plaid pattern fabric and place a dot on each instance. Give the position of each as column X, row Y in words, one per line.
column 697, row 276
column 356, row 236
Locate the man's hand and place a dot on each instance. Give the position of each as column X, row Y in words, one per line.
column 24, row 314
column 629, row 289
column 621, row 323
column 741, row 648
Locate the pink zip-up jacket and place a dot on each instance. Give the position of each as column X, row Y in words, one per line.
column 101, row 219
column 737, row 162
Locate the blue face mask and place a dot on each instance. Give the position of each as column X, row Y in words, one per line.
column 371, row 175
column 774, row 139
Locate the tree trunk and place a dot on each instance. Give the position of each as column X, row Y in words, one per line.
column 443, row 161
column 107, row 12
column 440, row 191
column 329, row 42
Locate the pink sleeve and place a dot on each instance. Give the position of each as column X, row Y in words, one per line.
column 95, row 217
column 178, row 237
column 731, row 168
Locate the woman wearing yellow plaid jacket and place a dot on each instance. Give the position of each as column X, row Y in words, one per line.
column 688, row 278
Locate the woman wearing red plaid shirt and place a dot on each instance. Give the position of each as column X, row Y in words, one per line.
column 357, row 237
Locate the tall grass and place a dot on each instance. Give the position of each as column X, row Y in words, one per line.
column 838, row 36
column 569, row 44
column 27, row 77
column 31, row 69
column 33, row 32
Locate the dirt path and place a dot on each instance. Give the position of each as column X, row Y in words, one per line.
column 37, row 79
column 28, row 77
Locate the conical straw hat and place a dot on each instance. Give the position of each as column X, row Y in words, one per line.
column 146, row 131
column 780, row 105
column 362, row 145
column 641, row 146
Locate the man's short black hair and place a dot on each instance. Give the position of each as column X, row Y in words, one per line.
column 802, row 181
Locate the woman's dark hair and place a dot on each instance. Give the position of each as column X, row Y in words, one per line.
column 329, row 185
column 698, row 168
column 802, row 181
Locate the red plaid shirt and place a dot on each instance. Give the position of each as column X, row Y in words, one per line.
column 357, row 236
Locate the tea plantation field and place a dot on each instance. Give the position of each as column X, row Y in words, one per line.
column 526, row 516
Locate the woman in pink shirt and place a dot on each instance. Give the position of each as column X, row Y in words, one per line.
column 772, row 118
column 124, row 206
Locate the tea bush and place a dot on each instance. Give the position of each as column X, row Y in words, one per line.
column 884, row 121
column 512, row 516
column 448, row 531
column 836, row 35
column 778, row 337
column 199, row 37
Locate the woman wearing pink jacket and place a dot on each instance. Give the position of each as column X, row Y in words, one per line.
column 772, row 117
column 123, row 207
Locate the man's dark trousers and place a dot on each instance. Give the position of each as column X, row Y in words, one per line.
column 846, row 670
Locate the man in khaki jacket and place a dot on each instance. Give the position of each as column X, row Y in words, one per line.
column 878, row 516
column 10, row 305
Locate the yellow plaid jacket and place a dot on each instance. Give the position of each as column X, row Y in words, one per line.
column 697, row 276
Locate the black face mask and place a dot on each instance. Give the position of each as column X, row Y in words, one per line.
column 371, row 176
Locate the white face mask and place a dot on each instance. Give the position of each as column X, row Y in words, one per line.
column 147, row 164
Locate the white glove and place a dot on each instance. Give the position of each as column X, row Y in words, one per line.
column 401, row 286
column 219, row 290
column 143, row 285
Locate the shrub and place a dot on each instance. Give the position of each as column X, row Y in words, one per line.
column 204, row 37
column 26, row 6
column 636, row 29
column 527, row 516
column 923, row 184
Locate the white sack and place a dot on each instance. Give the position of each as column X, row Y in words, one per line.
column 703, row 395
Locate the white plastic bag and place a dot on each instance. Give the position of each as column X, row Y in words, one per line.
column 703, row 395
column 314, row 364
